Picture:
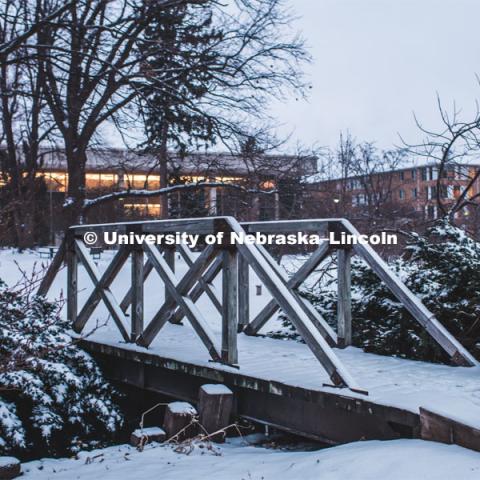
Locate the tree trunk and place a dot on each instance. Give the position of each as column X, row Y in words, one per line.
column 163, row 159
column 76, row 160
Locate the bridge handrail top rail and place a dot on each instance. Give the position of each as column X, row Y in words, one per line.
column 205, row 225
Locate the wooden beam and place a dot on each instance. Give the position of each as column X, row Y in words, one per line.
column 290, row 304
column 457, row 352
column 107, row 295
column 230, row 306
column 344, row 307
column 105, row 281
column 293, row 283
column 169, row 256
column 243, row 293
column 137, row 293
column 127, row 299
column 179, row 295
column 184, row 286
column 204, row 283
column 53, row 269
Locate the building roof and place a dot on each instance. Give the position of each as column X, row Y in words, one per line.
column 192, row 164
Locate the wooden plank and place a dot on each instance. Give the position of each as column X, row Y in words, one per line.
column 344, row 306
column 72, row 281
column 294, row 282
column 180, row 291
column 457, row 352
column 137, row 293
column 203, row 285
column 183, row 287
column 53, row 269
column 230, row 306
column 293, row 309
column 107, row 296
column 105, row 281
column 201, row 226
column 285, row 226
column 169, row 256
column 243, row 293
column 199, row 288
column 439, row 428
column 127, row 299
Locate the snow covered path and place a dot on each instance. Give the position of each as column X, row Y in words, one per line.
column 452, row 391
column 373, row 460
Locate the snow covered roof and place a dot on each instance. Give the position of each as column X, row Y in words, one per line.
column 194, row 163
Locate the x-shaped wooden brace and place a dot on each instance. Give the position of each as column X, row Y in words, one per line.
column 102, row 288
column 293, row 283
column 179, row 297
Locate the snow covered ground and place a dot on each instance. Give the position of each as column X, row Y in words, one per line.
column 392, row 460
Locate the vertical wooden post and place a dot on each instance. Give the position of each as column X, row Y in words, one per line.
column 229, row 306
column 169, row 256
column 344, row 308
column 137, row 293
column 72, row 279
column 243, row 293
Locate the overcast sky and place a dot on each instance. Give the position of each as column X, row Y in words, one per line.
column 377, row 61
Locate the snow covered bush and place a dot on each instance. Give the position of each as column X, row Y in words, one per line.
column 53, row 398
column 442, row 268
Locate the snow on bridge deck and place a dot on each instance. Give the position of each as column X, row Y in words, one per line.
column 406, row 384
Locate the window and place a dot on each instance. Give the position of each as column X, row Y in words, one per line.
column 414, row 174
column 424, row 174
column 414, row 192
column 401, row 194
column 431, row 211
column 360, row 199
column 402, row 175
column 431, row 192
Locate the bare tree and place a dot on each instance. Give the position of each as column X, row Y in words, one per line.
column 24, row 124
column 456, row 143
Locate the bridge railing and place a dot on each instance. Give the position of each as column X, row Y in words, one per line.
column 233, row 262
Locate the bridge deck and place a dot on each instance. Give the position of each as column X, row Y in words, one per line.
column 391, row 382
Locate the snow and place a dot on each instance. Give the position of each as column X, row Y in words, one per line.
column 372, row 460
column 149, row 432
column 8, row 462
column 216, row 389
column 182, row 408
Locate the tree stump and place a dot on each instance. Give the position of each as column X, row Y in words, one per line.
column 146, row 435
column 178, row 417
column 215, row 407
column 10, row 467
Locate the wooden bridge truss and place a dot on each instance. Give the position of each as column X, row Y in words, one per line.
column 232, row 262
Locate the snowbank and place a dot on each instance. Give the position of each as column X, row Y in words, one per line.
column 392, row 460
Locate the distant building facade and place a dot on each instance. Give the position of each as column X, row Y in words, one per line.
column 405, row 195
column 110, row 170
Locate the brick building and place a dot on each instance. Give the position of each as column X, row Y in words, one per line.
column 405, row 194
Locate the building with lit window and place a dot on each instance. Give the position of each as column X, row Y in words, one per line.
column 111, row 170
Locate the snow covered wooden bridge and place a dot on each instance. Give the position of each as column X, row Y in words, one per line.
column 319, row 389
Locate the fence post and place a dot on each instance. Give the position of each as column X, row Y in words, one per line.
column 243, row 293
column 137, row 293
column 229, row 306
column 344, row 308
column 169, row 256
column 72, row 278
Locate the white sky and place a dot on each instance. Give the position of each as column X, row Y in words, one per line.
column 377, row 61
